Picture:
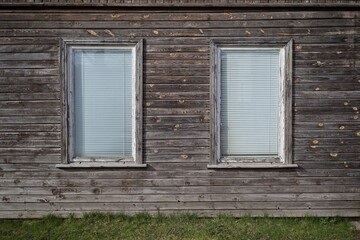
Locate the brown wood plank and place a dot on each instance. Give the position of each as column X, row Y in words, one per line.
column 83, row 182
column 189, row 15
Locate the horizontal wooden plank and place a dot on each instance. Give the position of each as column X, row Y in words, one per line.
column 328, row 118
column 249, row 182
column 325, row 63
column 43, row 171
column 178, row 95
column 326, row 79
column 189, row 15
column 279, row 198
column 324, row 86
column 155, row 112
column 203, row 50
column 18, row 143
column 301, row 35
column 12, row 48
column 33, row 88
column 28, row 127
column 176, row 80
column 177, row 135
column 30, row 151
column 187, row 24
column 175, row 127
column 5, row 64
column 8, row 96
column 29, row 72
column 157, row 151
column 177, row 87
column 31, row 111
column 180, row 206
column 15, row 56
column 178, row 158
column 201, row 213
column 326, row 71
column 314, row 167
column 326, row 156
column 323, row 110
column 171, row 55
column 315, row 148
column 29, row 136
column 29, row 104
column 12, row 80
column 31, row 159
column 30, row 119
column 178, row 71
column 176, row 119
column 343, row 99
column 347, row 54
column 177, row 104
column 351, row 190
column 325, row 141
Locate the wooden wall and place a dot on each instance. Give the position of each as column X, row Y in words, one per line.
column 250, row 3
column 326, row 124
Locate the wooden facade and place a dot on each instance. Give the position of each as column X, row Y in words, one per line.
column 176, row 109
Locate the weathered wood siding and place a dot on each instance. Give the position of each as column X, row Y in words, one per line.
column 326, row 124
column 245, row 3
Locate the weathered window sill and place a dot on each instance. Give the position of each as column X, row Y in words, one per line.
column 251, row 165
column 101, row 165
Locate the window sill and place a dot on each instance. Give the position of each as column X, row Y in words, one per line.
column 101, row 165
column 251, row 165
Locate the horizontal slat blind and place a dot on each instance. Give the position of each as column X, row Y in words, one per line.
column 249, row 101
column 103, row 103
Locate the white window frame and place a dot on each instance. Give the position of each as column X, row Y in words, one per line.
column 68, row 122
column 284, row 158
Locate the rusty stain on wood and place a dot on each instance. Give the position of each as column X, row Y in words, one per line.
column 116, row 15
column 92, row 32
column 109, row 32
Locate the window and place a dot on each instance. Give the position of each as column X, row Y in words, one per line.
column 251, row 99
column 103, row 99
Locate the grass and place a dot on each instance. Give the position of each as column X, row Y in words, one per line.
column 143, row 226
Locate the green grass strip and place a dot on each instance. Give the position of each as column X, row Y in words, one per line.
column 185, row 226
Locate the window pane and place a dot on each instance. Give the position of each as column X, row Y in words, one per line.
column 249, row 102
column 103, row 102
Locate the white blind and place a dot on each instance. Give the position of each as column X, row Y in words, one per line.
column 249, row 101
column 103, row 102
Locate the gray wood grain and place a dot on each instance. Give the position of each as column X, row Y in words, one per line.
column 176, row 113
